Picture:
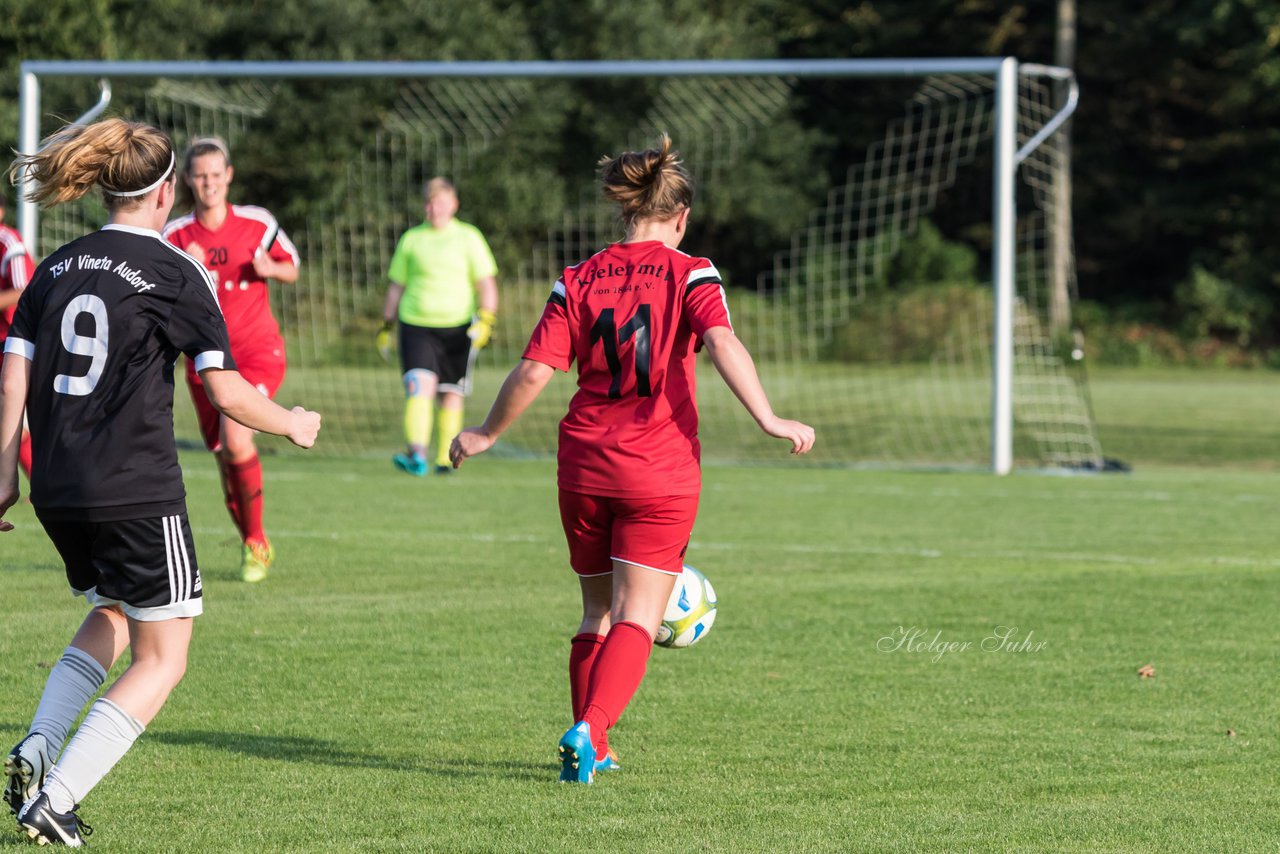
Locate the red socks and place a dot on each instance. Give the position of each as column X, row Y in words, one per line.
column 24, row 454
column 581, row 656
column 615, row 676
column 229, row 495
column 242, row 485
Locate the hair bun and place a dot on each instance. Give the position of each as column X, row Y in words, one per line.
column 650, row 184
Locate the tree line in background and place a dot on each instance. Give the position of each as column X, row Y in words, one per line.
column 1176, row 142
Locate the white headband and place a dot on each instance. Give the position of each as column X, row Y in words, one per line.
column 214, row 141
column 147, row 189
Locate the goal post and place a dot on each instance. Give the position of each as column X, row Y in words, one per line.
column 819, row 276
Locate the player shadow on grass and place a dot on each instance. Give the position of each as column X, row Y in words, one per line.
column 314, row 751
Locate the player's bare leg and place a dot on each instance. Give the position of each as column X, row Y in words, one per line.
column 104, row 634
column 159, row 660
column 597, row 601
column 640, row 595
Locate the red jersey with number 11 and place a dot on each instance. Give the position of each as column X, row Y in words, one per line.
column 632, row 316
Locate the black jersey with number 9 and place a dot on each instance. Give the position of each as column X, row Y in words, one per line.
column 103, row 322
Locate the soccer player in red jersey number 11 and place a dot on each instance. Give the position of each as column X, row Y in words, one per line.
column 242, row 246
column 633, row 317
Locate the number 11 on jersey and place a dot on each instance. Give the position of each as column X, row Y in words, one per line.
column 611, row 335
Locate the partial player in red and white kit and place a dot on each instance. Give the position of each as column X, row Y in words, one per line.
column 16, row 268
column 242, row 246
column 633, row 317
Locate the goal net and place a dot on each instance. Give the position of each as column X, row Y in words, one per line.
column 857, row 270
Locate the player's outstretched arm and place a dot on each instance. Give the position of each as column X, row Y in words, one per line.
column 235, row 398
column 521, row 387
column 14, row 380
column 739, row 372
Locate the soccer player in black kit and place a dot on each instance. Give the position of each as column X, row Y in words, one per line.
column 91, row 356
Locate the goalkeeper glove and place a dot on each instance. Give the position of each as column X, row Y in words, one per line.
column 383, row 340
column 481, row 328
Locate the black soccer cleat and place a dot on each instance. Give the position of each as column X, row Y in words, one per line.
column 24, row 769
column 53, row 828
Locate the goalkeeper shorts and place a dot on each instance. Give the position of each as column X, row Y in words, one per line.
column 444, row 352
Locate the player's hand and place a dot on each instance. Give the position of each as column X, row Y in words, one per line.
column 468, row 443
column 383, row 340
column 196, row 251
column 481, row 328
column 263, row 265
column 800, row 435
column 8, row 498
column 306, row 425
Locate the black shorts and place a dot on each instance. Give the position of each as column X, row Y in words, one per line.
column 147, row 566
column 444, row 352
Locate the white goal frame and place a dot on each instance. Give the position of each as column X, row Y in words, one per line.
column 1005, row 153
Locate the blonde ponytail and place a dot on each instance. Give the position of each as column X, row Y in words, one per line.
column 119, row 156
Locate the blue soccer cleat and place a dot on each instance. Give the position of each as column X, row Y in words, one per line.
column 608, row 762
column 577, row 755
column 411, row 464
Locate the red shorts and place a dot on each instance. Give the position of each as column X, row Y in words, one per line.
column 648, row 532
column 263, row 368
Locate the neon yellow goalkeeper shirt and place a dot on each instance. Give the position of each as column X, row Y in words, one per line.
column 439, row 268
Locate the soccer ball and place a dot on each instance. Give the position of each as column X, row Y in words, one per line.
column 690, row 611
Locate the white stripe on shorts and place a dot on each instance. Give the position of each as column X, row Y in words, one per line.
column 187, row 575
column 184, row 562
column 177, row 560
column 168, row 560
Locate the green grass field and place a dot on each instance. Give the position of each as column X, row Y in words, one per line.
column 398, row 683
column 1191, row 417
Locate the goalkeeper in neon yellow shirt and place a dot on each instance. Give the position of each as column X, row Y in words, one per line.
column 444, row 290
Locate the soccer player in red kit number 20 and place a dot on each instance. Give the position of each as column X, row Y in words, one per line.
column 242, row 246
column 633, row 317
